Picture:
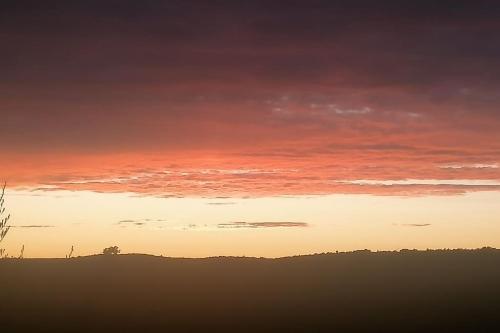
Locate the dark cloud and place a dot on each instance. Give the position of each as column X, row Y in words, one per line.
column 88, row 76
column 33, row 226
column 415, row 224
column 139, row 222
column 233, row 225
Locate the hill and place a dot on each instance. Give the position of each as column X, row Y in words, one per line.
column 406, row 291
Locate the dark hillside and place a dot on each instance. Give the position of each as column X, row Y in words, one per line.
column 408, row 291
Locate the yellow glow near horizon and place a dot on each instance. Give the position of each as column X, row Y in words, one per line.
column 190, row 227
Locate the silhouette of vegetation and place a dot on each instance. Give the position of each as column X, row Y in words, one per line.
column 4, row 219
column 70, row 254
column 21, row 255
column 112, row 250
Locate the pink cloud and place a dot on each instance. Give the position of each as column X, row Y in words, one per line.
column 180, row 106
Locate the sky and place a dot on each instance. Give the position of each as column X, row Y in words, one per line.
column 263, row 128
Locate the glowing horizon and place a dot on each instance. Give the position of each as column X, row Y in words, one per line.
column 268, row 227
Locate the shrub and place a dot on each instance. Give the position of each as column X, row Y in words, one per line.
column 70, row 254
column 112, row 250
column 4, row 220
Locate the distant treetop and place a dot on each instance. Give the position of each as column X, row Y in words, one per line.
column 111, row 250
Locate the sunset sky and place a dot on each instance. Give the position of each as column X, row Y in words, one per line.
column 259, row 128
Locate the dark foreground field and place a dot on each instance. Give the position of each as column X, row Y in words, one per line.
column 434, row 291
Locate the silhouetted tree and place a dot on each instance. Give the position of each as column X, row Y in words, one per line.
column 4, row 220
column 112, row 250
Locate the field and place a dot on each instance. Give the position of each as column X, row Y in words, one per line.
column 406, row 291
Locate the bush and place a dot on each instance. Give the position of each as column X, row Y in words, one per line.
column 4, row 227
column 112, row 250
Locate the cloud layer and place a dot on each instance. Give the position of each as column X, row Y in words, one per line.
column 252, row 225
column 260, row 99
column 31, row 226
